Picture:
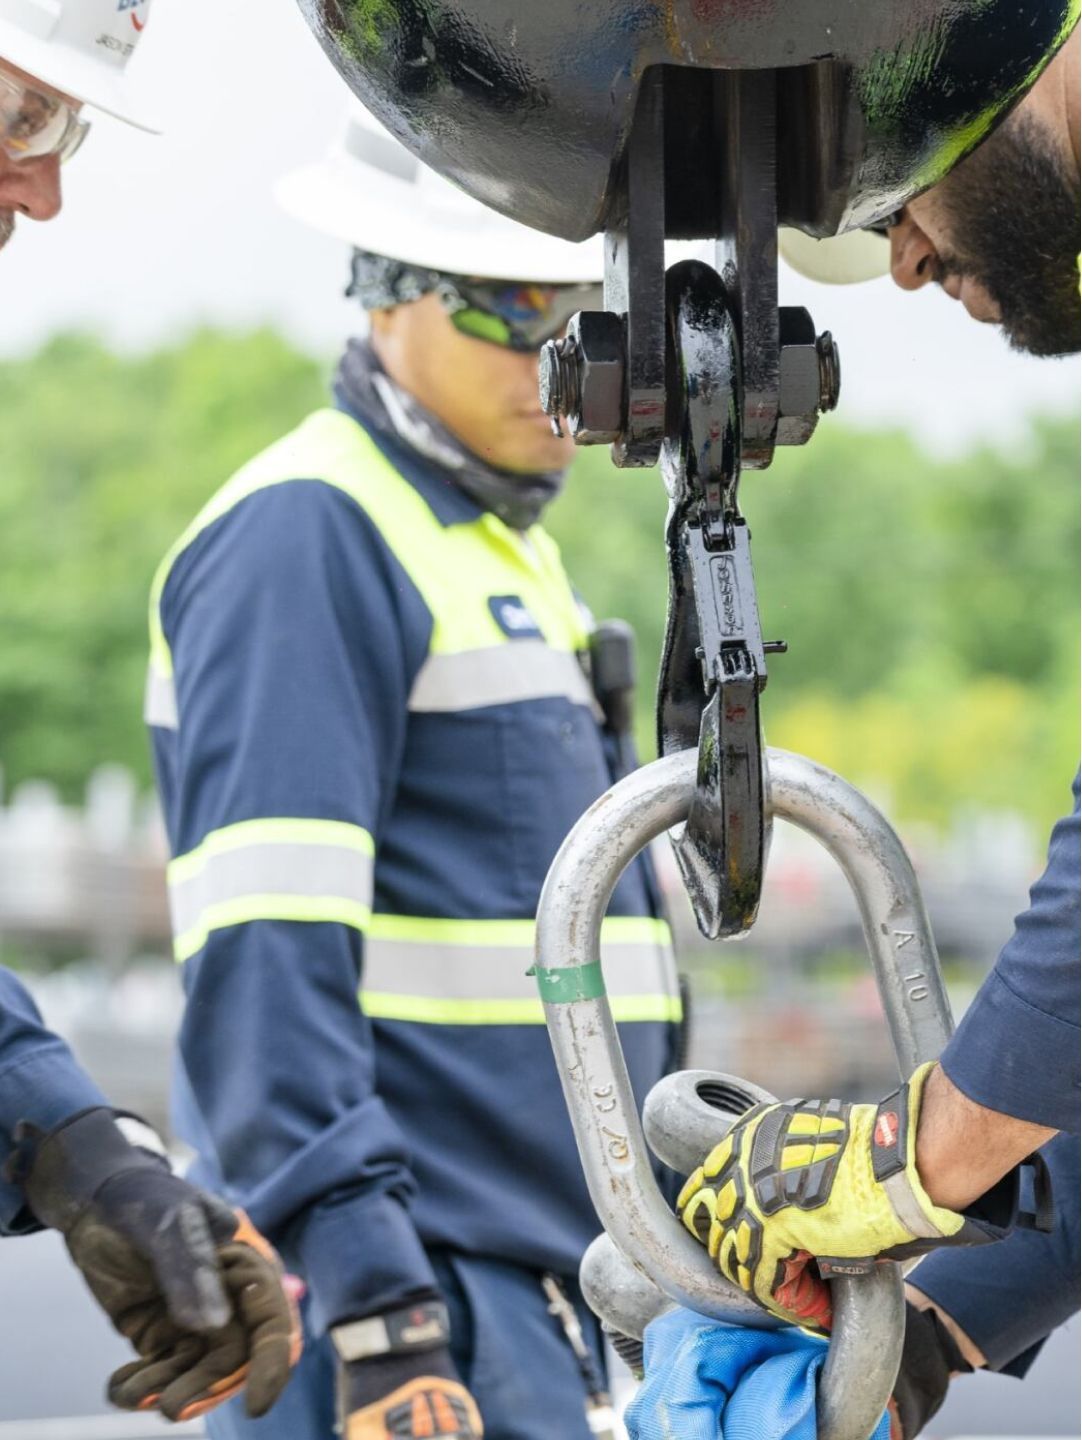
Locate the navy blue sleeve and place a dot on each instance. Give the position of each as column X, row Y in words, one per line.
column 292, row 715
column 1017, row 1048
column 40, row 1081
column 1010, row 1297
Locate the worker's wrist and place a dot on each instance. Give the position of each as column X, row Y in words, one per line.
column 931, row 1357
column 962, row 1148
column 62, row 1171
column 365, row 1382
column 410, row 1329
column 940, row 1161
column 380, row 1353
column 47, row 1088
column 968, row 1349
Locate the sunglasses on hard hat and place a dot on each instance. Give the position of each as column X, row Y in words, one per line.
column 514, row 314
column 34, row 124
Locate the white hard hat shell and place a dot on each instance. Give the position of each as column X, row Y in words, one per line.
column 372, row 193
column 81, row 47
column 843, row 260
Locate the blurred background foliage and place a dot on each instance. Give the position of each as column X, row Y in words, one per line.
column 930, row 604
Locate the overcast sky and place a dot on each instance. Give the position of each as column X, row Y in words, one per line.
column 162, row 233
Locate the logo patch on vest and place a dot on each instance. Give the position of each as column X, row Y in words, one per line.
column 511, row 615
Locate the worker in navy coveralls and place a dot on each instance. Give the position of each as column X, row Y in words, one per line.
column 374, row 723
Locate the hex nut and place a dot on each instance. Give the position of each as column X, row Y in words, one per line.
column 799, row 377
column 597, row 337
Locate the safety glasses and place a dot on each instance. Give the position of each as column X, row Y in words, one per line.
column 514, row 315
column 883, row 227
column 34, row 124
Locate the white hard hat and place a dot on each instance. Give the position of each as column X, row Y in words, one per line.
column 843, row 260
column 372, row 193
column 81, row 47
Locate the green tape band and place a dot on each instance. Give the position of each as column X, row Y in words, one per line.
column 570, row 982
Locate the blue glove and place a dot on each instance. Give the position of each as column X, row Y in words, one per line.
column 706, row 1381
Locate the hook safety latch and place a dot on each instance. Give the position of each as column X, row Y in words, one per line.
column 714, row 660
column 721, row 851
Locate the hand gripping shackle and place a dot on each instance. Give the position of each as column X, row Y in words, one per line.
column 865, row 1345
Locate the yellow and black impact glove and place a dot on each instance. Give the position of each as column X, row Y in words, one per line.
column 800, row 1191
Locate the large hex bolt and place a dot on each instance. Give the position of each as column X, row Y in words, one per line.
column 809, row 376
column 582, row 377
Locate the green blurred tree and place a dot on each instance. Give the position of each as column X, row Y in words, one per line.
column 104, row 459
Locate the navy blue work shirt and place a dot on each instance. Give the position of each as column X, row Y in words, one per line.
column 1017, row 1051
column 1017, row 1048
column 40, row 1081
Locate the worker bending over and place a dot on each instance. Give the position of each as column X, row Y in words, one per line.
column 819, row 1181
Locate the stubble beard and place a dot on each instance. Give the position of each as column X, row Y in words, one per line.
column 7, row 227
column 1013, row 212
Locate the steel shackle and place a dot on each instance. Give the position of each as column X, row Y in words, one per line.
column 869, row 1314
column 684, row 1115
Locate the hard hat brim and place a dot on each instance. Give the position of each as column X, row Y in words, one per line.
column 374, row 216
column 64, row 69
column 849, row 259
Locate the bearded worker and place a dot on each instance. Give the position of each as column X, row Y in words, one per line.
column 802, row 1189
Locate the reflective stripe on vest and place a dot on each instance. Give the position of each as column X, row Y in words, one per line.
column 416, row 968
column 475, row 972
column 458, row 569
column 521, row 670
column 277, row 869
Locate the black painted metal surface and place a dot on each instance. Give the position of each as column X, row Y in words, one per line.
column 713, row 665
column 528, row 107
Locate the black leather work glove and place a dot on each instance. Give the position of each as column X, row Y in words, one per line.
column 930, row 1357
column 190, row 1282
column 397, row 1381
